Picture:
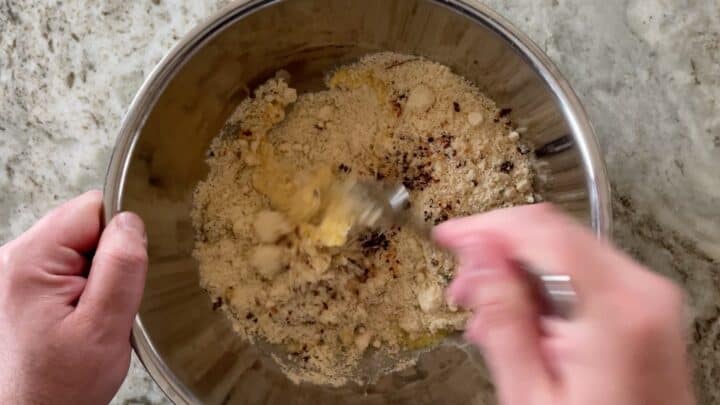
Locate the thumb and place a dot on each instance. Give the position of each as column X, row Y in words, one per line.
column 115, row 284
column 505, row 326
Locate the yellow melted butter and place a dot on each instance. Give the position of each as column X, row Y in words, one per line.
column 352, row 79
column 425, row 340
column 273, row 179
column 336, row 224
column 310, row 199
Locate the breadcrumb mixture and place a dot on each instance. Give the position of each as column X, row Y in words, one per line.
column 288, row 270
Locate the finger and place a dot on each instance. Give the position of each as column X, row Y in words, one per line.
column 461, row 292
column 505, row 326
column 117, row 275
column 58, row 260
column 475, row 260
column 59, row 292
column 55, row 245
column 542, row 237
column 74, row 225
column 556, row 352
column 62, row 293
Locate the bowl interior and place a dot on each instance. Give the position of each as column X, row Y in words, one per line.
column 190, row 349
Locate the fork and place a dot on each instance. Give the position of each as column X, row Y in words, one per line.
column 379, row 204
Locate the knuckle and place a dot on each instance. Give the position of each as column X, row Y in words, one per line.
column 545, row 211
column 671, row 293
column 5, row 258
column 501, row 312
column 504, row 301
column 11, row 264
column 95, row 196
column 660, row 312
column 672, row 299
column 53, row 216
column 128, row 256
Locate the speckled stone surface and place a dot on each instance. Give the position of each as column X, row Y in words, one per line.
column 648, row 72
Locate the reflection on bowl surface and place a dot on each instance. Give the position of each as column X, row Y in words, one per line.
column 189, row 349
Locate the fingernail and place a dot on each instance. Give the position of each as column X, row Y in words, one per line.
column 130, row 221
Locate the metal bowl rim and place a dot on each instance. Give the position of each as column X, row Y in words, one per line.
column 141, row 105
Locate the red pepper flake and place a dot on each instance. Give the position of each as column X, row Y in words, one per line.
column 442, row 218
column 396, row 107
column 446, row 140
column 373, row 242
column 363, row 278
column 418, row 181
column 396, row 104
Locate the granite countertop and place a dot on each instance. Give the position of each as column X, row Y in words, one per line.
column 648, row 72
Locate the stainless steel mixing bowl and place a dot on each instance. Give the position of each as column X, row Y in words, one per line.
column 188, row 348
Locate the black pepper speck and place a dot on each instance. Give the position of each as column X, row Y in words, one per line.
column 507, row 166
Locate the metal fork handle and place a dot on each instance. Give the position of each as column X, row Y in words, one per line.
column 557, row 294
column 554, row 293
